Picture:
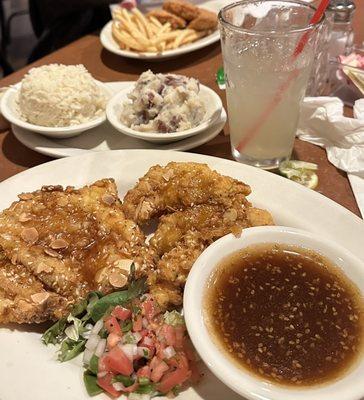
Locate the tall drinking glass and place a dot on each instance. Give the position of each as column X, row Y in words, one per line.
column 266, row 73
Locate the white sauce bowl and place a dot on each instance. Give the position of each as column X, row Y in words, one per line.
column 348, row 387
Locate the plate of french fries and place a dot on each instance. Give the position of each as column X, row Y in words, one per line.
column 134, row 34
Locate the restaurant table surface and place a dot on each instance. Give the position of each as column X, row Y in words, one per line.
column 202, row 64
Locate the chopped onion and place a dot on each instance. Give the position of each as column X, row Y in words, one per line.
column 87, row 333
column 92, row 342
column 137, row 337
column 130, row 350
column 87, row 355
column 100, row 348
column 169, row 352
column 145, row 323
column 147, row 341
column 118, row 386
column 142, row 350
column 101, row 374
column 97, row 327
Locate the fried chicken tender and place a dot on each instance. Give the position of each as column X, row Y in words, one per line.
column 183, row 9
column 182, row 236
column 211, row 221
column 178, row 186
column 23, row 298
column 164, row 16
column 167, row 281
column 67, row 237
column 205, row 21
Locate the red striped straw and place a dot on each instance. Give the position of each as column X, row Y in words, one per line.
column 285, row 85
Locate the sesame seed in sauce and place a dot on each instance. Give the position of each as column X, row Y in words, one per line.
column 293, row 326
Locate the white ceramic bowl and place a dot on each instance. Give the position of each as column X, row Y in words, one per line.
column 9, row 111
column 209, row 97
column 349, row 387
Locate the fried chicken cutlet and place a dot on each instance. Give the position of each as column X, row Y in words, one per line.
column 178, row 186
column 204, row 21
column 164, row 16
column 182, row 236
column 23, row 298
column 168, row 279
column 68, row 238
column 183, row 9
column 211, row 221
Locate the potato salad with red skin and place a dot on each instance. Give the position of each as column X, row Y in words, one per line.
column 163, row 103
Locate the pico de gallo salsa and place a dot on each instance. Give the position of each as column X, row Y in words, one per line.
column 130, row 348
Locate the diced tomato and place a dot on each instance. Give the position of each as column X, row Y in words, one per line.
column 148, row 309
column 112, row 340
column 171, row 379
column 117, row 361
column 158, row 368
column 137, row 323
column 148, row 342
column 180, row 336
column 153, row 336
column 143, row 333
column 155, row 361
column 168, row 333
column 101, row 366
column 106, row 383
column 144, row 372
column 159, row 347
column 112, row 325
column 178, row 361
column 121, row 313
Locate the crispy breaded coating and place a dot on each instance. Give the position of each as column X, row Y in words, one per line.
column 259, row 217
column 168, row 279
column 183, row 9
column 67, row 237
column 164, row 16
column 205, row 21
column 23, row 298
column 182, row 236
column 211, row 221
column 178, row 186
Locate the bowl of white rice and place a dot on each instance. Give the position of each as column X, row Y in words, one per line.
column 56, row 100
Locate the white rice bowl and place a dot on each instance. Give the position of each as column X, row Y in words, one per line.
column 59, row 95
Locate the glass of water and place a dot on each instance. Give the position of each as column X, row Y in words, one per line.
column 268, row 49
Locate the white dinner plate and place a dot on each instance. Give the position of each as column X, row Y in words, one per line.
column 29, row 369
column 110, row 44
column 105, row 137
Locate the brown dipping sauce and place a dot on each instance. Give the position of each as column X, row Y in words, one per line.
column 286, row 314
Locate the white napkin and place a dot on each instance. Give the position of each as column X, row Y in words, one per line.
column 322, row 123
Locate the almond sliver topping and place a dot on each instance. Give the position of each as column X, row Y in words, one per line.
column 58, row 244
column 30, row 235
column 39, row 298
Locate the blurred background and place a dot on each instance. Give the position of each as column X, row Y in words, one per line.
column 30, row 29
column 17, row 36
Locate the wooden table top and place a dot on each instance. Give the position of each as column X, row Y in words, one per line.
column 202, row 64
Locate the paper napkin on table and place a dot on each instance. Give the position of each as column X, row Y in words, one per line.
column 322, row 123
